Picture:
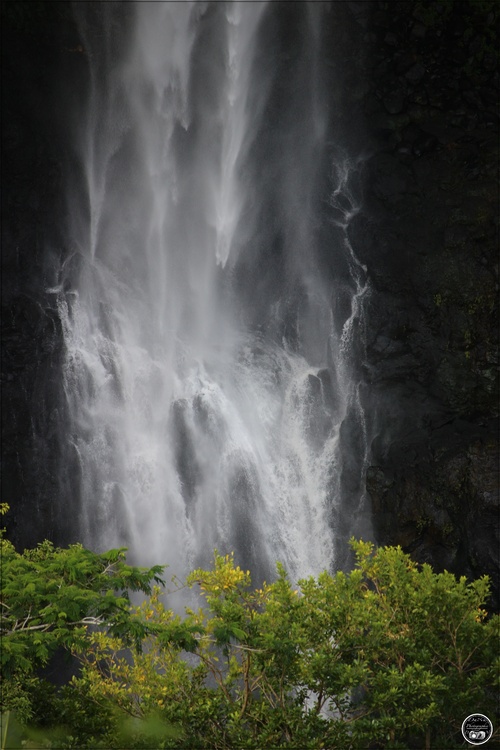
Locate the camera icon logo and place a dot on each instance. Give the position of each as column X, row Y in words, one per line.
column 477, row 729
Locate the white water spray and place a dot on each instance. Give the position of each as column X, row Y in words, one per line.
column 196, row 420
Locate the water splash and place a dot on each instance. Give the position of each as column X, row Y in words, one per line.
column 207, row 373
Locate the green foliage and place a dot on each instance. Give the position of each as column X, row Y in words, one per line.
column 388, row 656
column 50, row 597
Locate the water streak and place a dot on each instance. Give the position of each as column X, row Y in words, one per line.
column 207, row 372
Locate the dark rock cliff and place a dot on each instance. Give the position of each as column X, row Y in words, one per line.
column 428, row 233
column 36, row 38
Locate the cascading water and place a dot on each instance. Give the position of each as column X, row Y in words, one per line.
column 208, row 353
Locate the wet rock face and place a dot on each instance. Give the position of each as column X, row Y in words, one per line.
column 32, row 214
column 439, row 499
column 428, row 235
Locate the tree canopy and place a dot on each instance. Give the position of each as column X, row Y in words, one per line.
column 391, row 655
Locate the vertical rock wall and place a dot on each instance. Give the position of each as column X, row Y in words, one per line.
column 429, row 237
column 36, row 39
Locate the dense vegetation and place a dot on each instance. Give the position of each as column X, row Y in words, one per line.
column 391, row 655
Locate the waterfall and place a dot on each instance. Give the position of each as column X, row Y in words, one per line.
column 208, row 371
